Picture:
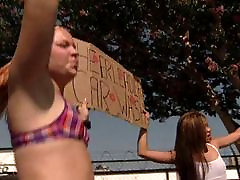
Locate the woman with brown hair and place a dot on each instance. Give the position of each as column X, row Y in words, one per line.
column 48, row 136
column 196, row 155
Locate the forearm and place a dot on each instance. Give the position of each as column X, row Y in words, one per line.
column 235, row 136
column 35, row 40
column 142, row 144
column 85, row 134
column 156, row 156
column 227, row 140
column 85, row 124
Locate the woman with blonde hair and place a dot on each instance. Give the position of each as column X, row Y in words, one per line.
column 48, row 136
column 196, row 154
column 4, row 73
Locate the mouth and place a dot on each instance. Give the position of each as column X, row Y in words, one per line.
column 209, row 137
column 75, row 67
column 74, row 62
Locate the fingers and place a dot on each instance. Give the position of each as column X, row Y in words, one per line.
column 146, row 113
column 83, row 112
column 82, row 104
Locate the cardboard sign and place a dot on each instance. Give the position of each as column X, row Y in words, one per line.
column 107, row 85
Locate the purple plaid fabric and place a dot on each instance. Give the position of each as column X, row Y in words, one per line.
column 67, row 125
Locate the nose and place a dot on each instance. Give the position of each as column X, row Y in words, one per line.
column 208, row 129
column 74, row 52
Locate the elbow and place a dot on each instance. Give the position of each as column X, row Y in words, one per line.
column 141, row 153
column 142, row 156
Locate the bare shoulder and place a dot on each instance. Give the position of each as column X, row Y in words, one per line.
column 214, row 142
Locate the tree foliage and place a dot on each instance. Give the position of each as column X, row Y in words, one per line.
column 148, row 38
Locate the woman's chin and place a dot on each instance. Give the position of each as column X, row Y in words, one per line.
column 209, row 139
column 73, row 72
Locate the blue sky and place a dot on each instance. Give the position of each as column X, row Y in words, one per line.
column 117, row 136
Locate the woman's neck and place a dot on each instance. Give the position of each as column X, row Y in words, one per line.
column 205, row 148
column 59, row 89
column 198, row 156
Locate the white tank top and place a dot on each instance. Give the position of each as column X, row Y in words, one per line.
column 217, row 168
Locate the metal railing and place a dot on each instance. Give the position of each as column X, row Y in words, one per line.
column 129, row 163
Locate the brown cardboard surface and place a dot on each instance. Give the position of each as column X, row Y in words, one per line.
column 107, row 85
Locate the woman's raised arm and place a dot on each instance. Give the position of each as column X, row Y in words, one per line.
column 156, row 156
column 36, row 36
column 227, row 140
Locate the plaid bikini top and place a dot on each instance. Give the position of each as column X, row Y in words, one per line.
column 67, row 125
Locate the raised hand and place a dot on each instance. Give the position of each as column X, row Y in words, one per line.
column 83, row 113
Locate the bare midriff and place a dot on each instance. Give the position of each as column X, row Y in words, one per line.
column 57, row 159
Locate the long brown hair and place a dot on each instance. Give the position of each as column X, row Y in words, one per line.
column 4, row 73
column 191, row 143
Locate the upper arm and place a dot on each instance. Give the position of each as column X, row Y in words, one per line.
column 157, row 156
column 160, row 157
column 227, row 140
column 35, row 39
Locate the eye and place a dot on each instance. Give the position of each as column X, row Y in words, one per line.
column 64, row 44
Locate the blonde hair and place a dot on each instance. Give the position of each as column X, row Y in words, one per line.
column 4, row 74
column 59, row 28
